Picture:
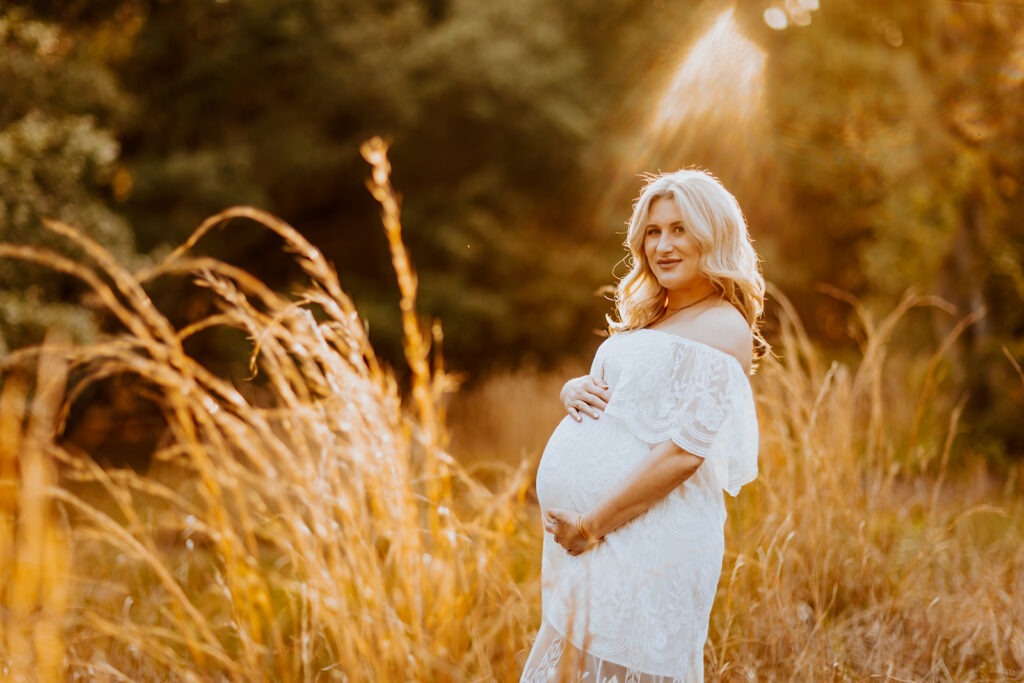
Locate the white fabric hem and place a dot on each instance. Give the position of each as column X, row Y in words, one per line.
column 555, row 659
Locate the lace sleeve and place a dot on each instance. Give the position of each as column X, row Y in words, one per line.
column 695, row 396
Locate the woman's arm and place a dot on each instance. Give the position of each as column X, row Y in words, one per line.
column 665, row 467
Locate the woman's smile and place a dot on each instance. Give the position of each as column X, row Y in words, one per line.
column 670, row 247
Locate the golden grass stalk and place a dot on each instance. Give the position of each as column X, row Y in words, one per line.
column 315, row 528
column 312, row 525
column 858, row 554
column 861, row 552
column 34, row 550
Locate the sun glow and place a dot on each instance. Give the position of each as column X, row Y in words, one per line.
column 707, row 112
column 721, row 76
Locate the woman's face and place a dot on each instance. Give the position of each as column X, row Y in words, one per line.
column 671, row 250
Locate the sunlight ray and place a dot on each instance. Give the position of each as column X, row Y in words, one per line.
column 722, row 74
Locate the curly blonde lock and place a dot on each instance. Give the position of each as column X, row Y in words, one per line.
column 728, row 260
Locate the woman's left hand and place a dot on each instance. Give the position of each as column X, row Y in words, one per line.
column 562, row 524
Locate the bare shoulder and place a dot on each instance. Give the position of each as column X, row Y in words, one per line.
column 725, row 328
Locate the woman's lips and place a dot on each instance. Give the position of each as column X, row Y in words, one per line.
column 668, row 263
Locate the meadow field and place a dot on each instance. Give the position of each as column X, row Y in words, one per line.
column 320, row 523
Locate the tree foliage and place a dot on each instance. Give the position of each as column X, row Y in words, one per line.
column 266, row 103
column 58, row 156
column 886, row 155
column 901, row 148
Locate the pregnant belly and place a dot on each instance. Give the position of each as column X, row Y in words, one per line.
column 584, row 460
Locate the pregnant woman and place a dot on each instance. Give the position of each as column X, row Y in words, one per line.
column 630, row 483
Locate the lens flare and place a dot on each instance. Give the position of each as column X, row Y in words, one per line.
column 1011, row 74
column 709, row 113
column 776, row 18
column 722, row 73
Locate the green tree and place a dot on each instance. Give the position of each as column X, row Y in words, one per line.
column 58, row 156
column 898, row 131
column 266, row 102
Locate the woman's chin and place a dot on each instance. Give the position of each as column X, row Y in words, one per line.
column 672, row 283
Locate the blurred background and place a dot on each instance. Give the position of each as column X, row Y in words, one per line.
column 875, row 147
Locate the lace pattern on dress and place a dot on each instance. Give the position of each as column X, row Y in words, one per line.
column 555, row 660
column 635, row 608
column 693, row 394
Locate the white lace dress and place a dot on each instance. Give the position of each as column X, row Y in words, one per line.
column 635, row 608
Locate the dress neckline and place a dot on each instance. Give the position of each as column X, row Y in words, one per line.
column 692, row 342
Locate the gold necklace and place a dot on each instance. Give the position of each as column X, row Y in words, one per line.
column 671, row 311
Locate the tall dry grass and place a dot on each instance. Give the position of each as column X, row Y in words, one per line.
column 321, row 533
column 318, row 528
column 34, row 549
column 865, row 550
column 859, row 554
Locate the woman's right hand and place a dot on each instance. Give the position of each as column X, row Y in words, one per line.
column 585, row 395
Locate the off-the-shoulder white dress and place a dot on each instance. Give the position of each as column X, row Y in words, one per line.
column 636, row 607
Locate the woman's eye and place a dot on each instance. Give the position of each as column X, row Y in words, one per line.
column 680, row 228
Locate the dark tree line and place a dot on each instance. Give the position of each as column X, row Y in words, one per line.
column 887, row 156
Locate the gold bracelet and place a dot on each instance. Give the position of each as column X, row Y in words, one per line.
column 583, row 532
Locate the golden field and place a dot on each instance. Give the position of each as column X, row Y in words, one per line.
column 320, row 524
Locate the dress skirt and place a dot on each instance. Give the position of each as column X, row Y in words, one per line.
column 636, row 606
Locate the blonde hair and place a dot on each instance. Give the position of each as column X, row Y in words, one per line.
column 727, row 257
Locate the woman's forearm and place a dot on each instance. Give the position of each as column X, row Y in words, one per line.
column 664, row 468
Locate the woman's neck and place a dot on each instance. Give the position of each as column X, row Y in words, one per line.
column 679, row 299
